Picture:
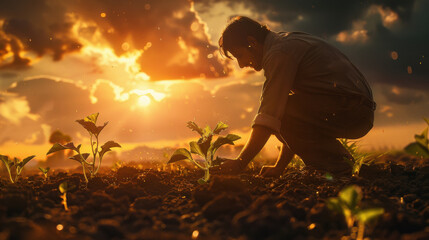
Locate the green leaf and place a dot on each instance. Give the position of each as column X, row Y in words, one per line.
column 422, row 138
column 25, row 161
column 107, row 147
column 78, row 158
column 194, row 127
column 229, row 139
column 195, row 148
column 92, row 118
column 351, row 196
column 65, row 187
column 334, row 204
column 6, row 160
column 58, row 147
column 368, row 215
column 207, row 132
column 44, row 170
column 91, row 127
column 417, row 150
column 205, row 143
column 180, row 154
column 219, row 127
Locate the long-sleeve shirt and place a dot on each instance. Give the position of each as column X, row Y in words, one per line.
column 295, row 62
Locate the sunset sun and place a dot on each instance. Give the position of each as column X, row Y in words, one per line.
column 144, row 101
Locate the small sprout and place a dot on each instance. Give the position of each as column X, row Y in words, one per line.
column 348, row 204
column 204, row 147
column 359, row 157
column 45, row 172
column 420, row 147
column 15, row 163
column 64, row 187
column 89, row 123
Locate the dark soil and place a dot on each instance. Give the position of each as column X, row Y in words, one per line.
column 133, row 203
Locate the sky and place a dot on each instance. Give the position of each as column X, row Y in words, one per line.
column 149, row 66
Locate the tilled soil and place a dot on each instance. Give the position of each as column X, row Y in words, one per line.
column 133, row 203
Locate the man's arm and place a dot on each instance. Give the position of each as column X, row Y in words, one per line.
column 256, row 142
column 284, row 158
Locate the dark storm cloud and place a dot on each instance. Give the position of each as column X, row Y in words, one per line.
column 407, row 36
column 39, row 26
column 404, row 96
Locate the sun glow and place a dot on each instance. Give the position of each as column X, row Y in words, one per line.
column 144, row 101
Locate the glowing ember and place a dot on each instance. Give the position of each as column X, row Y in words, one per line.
column 195, row 234
column 60, row 227
column 394, row 55
column 103, row 15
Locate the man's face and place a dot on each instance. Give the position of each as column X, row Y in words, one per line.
column 248, row 57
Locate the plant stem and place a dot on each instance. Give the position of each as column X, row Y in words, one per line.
column 99, row 157
column 93, row 153
column 206, row 175
column 84, row 172
column 64, row 197
column 361, row 230
column 10, row 174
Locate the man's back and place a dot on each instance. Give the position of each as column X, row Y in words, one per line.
column 321, row 68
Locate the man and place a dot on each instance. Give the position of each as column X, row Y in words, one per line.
column 312, row 95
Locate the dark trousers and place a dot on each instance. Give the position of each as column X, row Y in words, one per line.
column 313, row 123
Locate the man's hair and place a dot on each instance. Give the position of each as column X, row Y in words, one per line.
column 236, row 32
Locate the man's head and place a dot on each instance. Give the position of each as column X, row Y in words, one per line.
column 244, row 39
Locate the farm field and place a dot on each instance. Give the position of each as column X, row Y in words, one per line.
column 167, row 202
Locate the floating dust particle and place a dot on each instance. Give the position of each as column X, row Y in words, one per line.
column 147, row 6
column 125, row 46
column 394, row 55
column 195, row 234
column 60, row 227
column 409, row 70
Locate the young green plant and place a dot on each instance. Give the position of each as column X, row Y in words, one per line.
column 204, row 147
column 420, row 147
column 16, row 164
column 348, row 203
column 89, row 123
column 358, row 156
column 45, row 172
column 64, row 187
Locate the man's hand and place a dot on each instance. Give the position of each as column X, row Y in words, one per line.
column 231, row 166
column 271, row 171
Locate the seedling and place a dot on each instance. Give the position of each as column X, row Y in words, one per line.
column 420, row 147
column 15, row 163
column 89, row 124
column 359, row 156
column 64, row 187
column 204, row 147
column 45, row 172
column 348, row 204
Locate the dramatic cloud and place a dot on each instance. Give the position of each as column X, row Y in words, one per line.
column 168, row 38
column 57, row 104
column 367, row 31
column 38, row 26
